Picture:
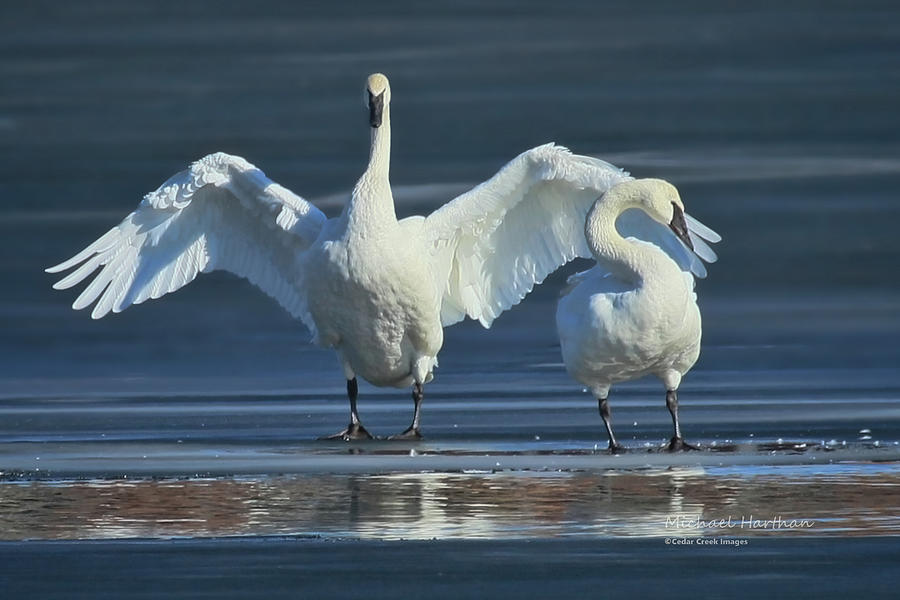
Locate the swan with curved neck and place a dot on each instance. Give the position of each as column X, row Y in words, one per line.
column 376, row 290
column 634, row 314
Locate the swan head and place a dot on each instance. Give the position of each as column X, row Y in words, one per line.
column 660, row 200
column 378, row 94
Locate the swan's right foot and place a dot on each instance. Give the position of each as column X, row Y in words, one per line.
column 354, row 432
column 614, row 446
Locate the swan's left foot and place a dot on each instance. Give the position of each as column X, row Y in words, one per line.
column 676, row 444
column 411, row 434
column 617, row 448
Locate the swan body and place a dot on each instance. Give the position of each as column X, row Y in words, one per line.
column 370, row 294
column 635, row 313
column 386, row 326
column 376, row 290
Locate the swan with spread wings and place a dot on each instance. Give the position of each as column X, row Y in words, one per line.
column 376, row 290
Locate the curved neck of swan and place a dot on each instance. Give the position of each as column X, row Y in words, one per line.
column 629, row 261
column 372, row 201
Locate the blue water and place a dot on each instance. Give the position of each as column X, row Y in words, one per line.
column 779, row 125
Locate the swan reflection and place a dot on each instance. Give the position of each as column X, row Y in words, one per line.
column 452, row 505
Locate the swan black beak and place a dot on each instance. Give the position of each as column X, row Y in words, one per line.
column 376, row 109
column 679, row 226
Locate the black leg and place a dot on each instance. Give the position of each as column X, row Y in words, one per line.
column 412, row 432
column 677, row 443
column 355, row 430
column 603, row 406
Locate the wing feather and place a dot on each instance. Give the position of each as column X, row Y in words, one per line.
column 701, row 248
column 702, row 230
column 493, row 244
column 221, row 214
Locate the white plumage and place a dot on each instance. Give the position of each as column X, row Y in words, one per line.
column 375, row 289
column 222, row 213
column 635, row 313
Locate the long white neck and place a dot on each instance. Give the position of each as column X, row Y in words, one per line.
column 372, row 202
column 637, row 263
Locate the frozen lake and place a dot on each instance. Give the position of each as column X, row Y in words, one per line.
column 175, row 444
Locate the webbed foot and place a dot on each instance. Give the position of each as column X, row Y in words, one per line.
column 411, row 434
column 353, row 432
column 677, row 444
column 617, row 449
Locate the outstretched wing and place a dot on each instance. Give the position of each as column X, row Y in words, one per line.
column 495, row 242
column 221, row 214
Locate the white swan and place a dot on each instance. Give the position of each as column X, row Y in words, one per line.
column 635, row 313
column 375, row 289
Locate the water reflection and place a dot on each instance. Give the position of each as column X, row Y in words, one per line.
column 858, row 501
